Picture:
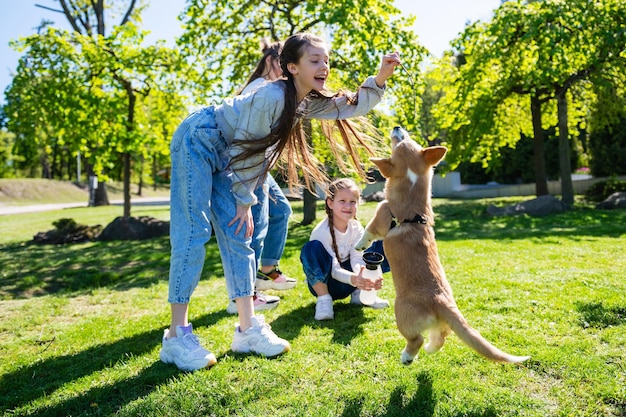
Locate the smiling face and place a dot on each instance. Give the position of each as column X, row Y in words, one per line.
column 343, row 206
column 311, row 71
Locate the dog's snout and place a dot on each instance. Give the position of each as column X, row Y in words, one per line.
column 398, row 134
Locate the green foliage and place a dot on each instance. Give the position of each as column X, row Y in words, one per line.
column 7, row 159
column 514, row 165
column 104, row 97
column 529, row 49
column 601, row 190
column 359, row 33
column 608, row 150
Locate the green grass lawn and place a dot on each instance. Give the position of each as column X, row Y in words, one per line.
column 81, row 326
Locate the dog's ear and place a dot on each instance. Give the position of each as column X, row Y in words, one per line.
column 384, row 166
column 434, row 154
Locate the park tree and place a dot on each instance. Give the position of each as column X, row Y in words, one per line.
column 43, row 91
column 222, row 38
column 7, row 161
column 607, row 137
column 530, row 58
column 607, row 126
column 91, row 90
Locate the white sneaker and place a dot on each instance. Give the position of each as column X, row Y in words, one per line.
column 324, row 308
column 185, row 351
column 261, row 302
column 355, row 298
column 259, row 338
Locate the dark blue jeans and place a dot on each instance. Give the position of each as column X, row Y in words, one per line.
column 317, row 265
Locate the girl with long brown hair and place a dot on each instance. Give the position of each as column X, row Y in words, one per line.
column 219, row 154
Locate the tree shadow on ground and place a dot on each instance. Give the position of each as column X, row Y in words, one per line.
column 31, row 270
column 598, row 315
column 345, row 330
column 43, row 378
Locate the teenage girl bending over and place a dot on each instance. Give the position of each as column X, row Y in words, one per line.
column 219, row 154
column 332, row 266
column 273, row 208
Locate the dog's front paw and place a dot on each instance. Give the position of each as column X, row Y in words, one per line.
column 365, row 241
column 362, row 244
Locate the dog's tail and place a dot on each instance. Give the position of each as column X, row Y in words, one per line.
column 473, row 338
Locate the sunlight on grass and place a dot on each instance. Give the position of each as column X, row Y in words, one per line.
column 82, row 325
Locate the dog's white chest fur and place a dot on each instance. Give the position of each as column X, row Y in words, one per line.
column 412, row 176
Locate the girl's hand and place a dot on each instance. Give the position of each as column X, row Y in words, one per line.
column 389, row 63
column 244, row 217
column 365, row 283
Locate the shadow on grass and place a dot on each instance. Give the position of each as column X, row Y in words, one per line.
column 346, row 326
column 43, row 378
column 31, row 270
column 421, row 404
column 600, row 316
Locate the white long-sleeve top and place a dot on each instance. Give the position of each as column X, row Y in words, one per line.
column 345, row 245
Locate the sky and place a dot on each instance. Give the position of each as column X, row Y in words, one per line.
column 436, row 24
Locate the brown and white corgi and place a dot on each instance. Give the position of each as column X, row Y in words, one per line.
column 424, row 300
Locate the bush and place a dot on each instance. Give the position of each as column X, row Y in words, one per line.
column 601, row 190
column 608, row 150
column 515, row 165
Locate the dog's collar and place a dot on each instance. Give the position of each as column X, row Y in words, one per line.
column 417, row 219
column 420, row 219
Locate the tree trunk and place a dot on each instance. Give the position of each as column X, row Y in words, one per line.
column 45, row 167
column 541, row 182
column 97, row 196
column 154, row 172
column 567, row 187
column 130, row 127
column 126, row 185
column 309, row 208
column 102, row 197
column 309, row 199
column 140, row 185
column 54, row 166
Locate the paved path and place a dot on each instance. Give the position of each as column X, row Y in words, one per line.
column 139, row 201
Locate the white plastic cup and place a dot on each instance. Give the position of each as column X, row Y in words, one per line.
column 372, row 272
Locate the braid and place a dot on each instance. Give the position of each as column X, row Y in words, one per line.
column 331, row 227
column 333, row 187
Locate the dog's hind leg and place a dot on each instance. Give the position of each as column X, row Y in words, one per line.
column 411, row 349
column 436, row 339
column 412, row 321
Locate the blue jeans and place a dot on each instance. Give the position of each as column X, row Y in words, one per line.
column 317, row 264
column 271, row 222
column 201, row 196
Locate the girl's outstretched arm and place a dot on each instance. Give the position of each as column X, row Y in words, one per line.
column 389, row 62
